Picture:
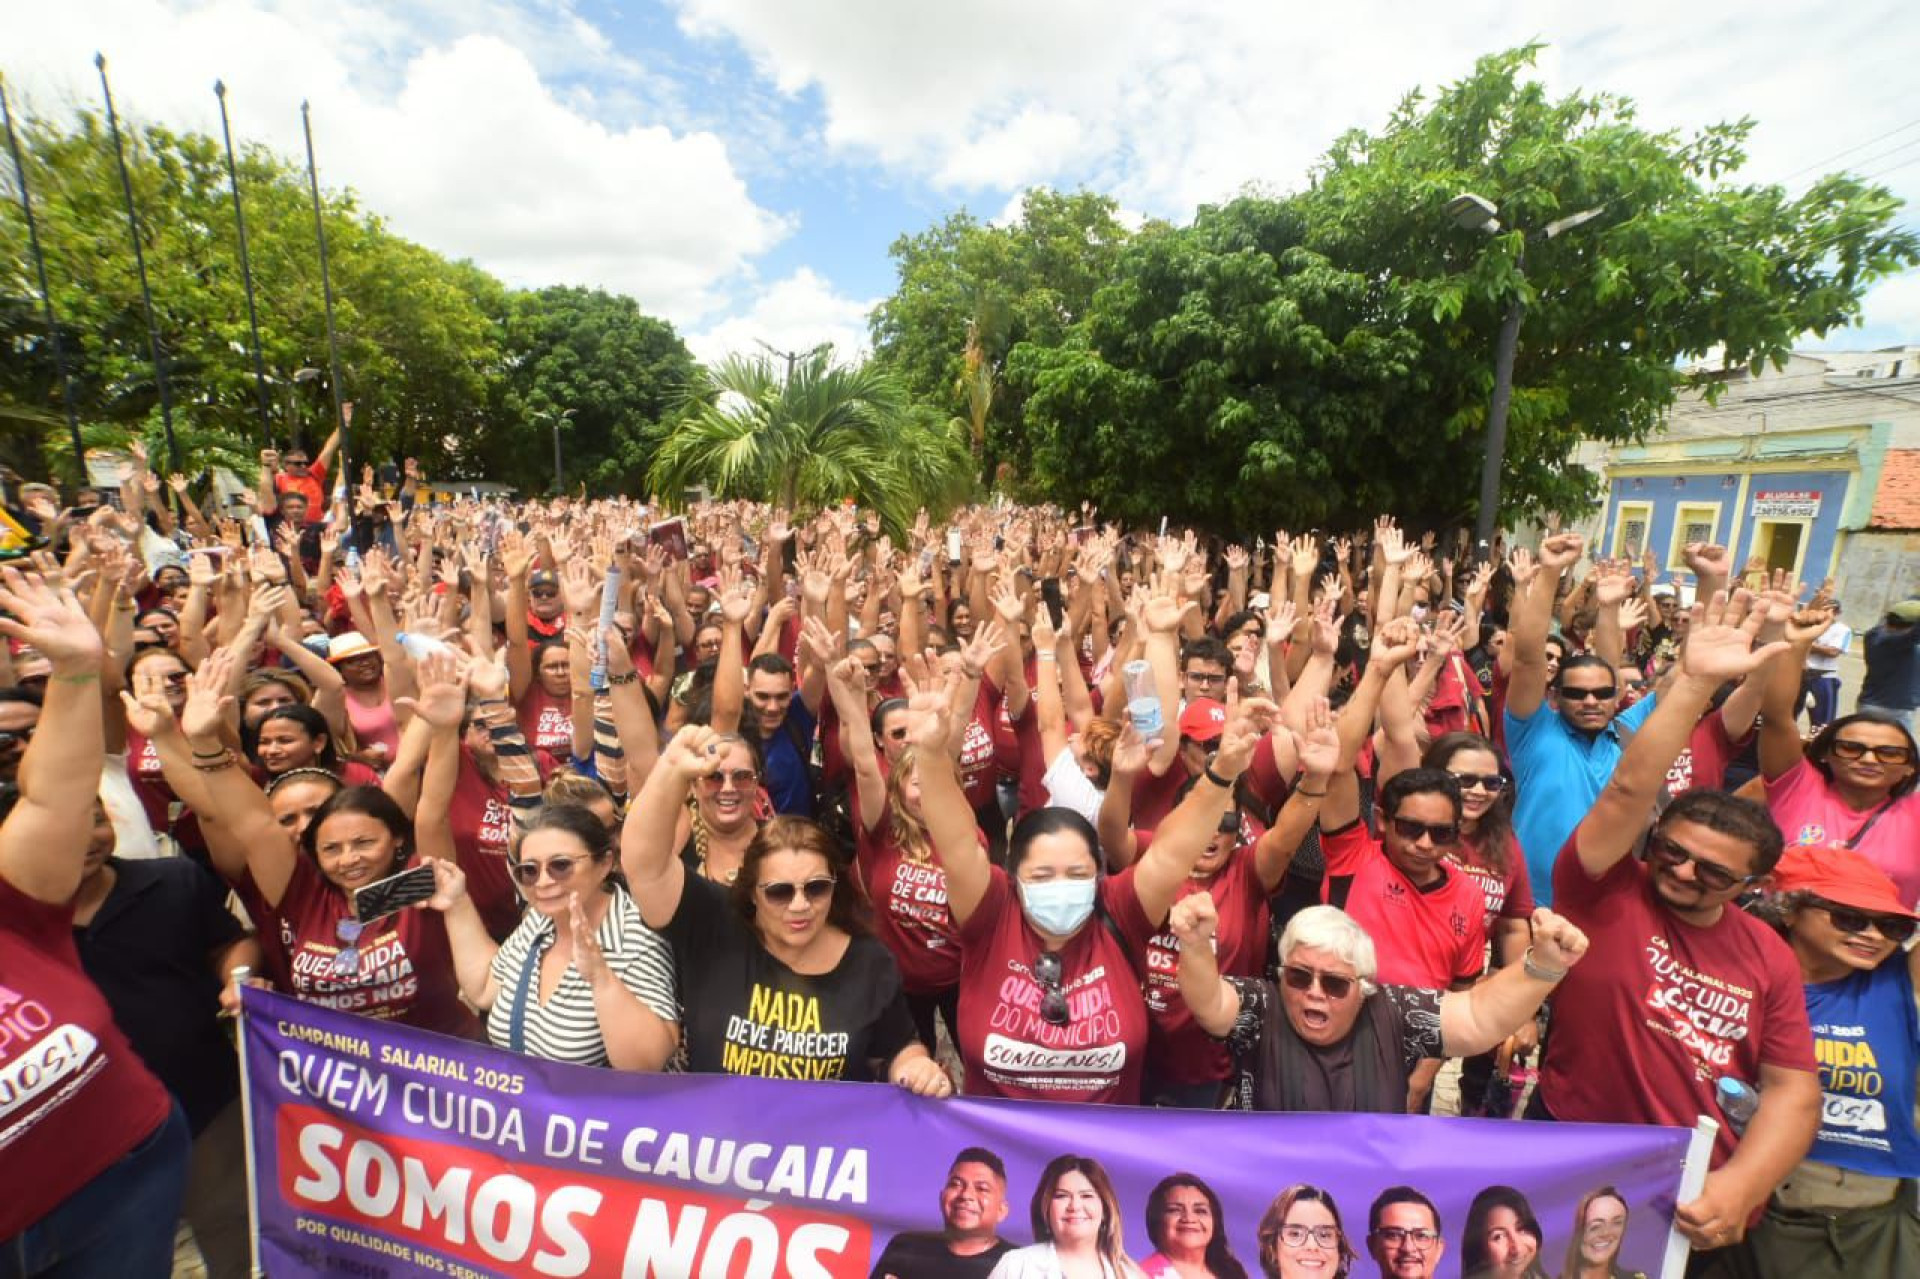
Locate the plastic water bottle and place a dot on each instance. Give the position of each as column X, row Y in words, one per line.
column 1143, row 701
column 609, row 604
column 353, row 558
column 1738, row 1101
column 419, row 647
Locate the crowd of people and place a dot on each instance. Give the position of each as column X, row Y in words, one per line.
column 1020, row 804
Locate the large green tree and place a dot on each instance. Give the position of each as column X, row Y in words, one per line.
column 618, row 371
column 970, row 292
column 1317, row 358
column 812, row 435
column 418, row 334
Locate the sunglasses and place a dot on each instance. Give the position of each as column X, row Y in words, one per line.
column 1603, row 694
column 1492, row 783
column 1895, row 928
column 1712, row 876
column 741, row 778
column 1443, row 836
column 1332, row 985
column 559, row 869
column 1848, row 748
column 780, row 893
column 19, row 736
column 347, row 961
column 544, row 593
column 1053, row 999
column 897, row 734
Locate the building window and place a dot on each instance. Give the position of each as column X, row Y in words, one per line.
column 1630, row 526
column 1692, row 522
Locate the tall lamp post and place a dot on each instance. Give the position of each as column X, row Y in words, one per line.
column 1477, row 213
column 555, row 419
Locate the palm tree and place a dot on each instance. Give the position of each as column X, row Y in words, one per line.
column 813, row 435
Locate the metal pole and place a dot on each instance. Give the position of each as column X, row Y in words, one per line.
column 246, row 268
column 326, row 290
column 140, row 265
column 559, row 481
column 46, row 295
column 1490, row 466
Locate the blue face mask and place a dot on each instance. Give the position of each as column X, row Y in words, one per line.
column 1059, row 906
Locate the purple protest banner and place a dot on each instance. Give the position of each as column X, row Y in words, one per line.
column 379, row 1150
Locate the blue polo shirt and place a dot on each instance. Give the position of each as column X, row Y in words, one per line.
column 788, row 781
column 1866, row 1035
column 1558, row 774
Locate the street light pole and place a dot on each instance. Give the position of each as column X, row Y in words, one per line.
column 559, row 477
column 1473, row 212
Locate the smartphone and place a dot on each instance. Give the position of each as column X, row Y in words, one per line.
column 395, row 892
column 953, row 546
column 926, row 563
column 671, row 535
column 1050, row 595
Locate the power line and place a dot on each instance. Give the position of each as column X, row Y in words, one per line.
column 1859, row 146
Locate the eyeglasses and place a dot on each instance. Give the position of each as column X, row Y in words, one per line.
column 1712, row 876
column 1848, row 919
column 780, row 893
column 1053, row 1000
column 1206, row 680
column 873, row 668
column 1443, row 836
column 20, row 735
column 742, row 778
column 545, row 593
column 1318, row 1236
column 1492, row 783
column 1395, row 1237
column 559, row 869
column 346, row 962
column 1333, row 985
column 1848, row 748
column 1605, row 693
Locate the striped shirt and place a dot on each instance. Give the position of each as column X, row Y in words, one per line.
column 565, row 1027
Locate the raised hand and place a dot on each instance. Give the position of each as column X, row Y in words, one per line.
column 1521, row 567
column 1282, row 616
column 1194, row 920
column 1129, row 753
column 1707, row 560
column 1557, row 943
column 442, row 698
column 51, row 620
column 1396, row 643
column 207, row 698
column 1319, row 747
column 692, row 752
column 1561, row 551
column 1720, row 641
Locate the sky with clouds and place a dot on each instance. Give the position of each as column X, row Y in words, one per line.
column 740, row 166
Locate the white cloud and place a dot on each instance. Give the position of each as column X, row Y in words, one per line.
column 793, row 314
column 1166, row 104
column 445, row 117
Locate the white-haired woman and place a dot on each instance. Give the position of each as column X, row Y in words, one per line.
column 1328, row 1038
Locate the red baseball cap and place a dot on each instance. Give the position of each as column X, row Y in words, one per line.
column 1841, row 876
column 1203, row 719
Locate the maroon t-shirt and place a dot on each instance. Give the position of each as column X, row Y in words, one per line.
column 1509, row 895
column 1154, row 797
column 1264, row 782
column 1428, row 936
column 406, row 966
column 1658, row 1009
column 1178, row 1050
column 910, row 912
column 156, row 796
column 1703, row 764
column 547, row 722
column 1010, row 1050
column 977, row 776
column 482, row 824
column 74, row 1097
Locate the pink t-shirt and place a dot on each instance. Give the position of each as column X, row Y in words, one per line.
column 1809, row 811
column 373, row 723
column 1658, row 1009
